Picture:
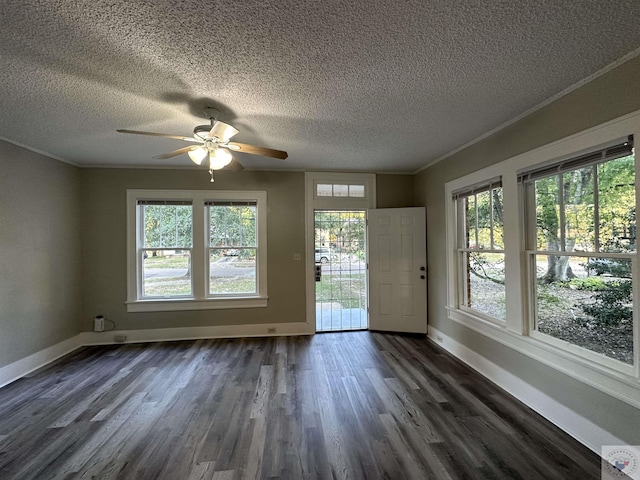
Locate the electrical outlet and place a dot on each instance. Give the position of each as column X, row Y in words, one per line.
column 297, row 257
column 271, row 330
column 119, row 338
column 439, row 338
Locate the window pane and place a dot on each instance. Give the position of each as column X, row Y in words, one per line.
column 616, row 201
column 484, row 283
column 470, row 209
column 498, row 219
column 483, row 209
column 586, row 302
column 547, row 214
column 166, row 273
column 340, row 190
column 167, row 226
column 232, row 271
column 356, row 191
column 324, row 190
column 232, row 226
column 579, row 231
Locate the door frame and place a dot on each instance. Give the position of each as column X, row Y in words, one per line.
column 313, row 202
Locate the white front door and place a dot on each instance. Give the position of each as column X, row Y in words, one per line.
column 397, row 270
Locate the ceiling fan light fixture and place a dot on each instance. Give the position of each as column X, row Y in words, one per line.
column 197, row 155
column 219, row 158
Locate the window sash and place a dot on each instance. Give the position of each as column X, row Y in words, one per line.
column 244, row 243
column 144, row 286
column 188, row 242
column 461, row 201
column 619, row 150
column 559, row 171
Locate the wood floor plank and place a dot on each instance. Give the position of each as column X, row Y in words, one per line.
column 352, row 405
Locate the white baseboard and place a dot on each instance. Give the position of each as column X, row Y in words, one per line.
column 583, row 430
column 24, row 366
column 193, row 333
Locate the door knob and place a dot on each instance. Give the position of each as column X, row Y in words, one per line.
column 422, row 277
column 422, row 269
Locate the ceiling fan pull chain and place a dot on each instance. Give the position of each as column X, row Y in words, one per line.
column 211, row 173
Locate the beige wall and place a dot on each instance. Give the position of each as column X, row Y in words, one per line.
column 39, row 253
column 104, row 245
column 609, row 96
column 394, row 191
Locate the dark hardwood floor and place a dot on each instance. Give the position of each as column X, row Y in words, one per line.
column 354, row 405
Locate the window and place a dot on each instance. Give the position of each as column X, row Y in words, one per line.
column 340, row 190
column 570, row 259
column 581, row 243
column 196, row 250
column 480, row 249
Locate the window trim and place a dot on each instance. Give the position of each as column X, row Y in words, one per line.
column 619, row 380
column 199, row 300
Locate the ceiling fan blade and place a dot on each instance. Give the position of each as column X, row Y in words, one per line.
column 223, row 131
column 265, row 152
column 175, row 153
column 178, row 137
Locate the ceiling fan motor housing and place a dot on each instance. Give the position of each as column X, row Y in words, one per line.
column 201, row 131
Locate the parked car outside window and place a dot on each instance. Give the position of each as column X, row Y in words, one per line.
column 323, row 254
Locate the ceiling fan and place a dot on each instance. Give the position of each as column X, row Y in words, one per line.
column 213, row 142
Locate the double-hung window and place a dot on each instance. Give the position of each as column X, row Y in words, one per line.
column 480, row 249
column 580, row 227
column 194, row 249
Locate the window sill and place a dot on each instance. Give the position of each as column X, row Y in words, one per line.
column 465, row 313
column 175, row 305
column 619, row 382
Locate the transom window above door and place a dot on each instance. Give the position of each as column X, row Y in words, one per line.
column 340, row 190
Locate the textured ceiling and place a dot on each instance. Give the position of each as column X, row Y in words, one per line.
column 372, row 85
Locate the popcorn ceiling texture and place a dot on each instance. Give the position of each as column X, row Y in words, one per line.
column 372, row 85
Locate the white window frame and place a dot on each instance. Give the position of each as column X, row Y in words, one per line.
column 608, row 375
column 199, row 300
